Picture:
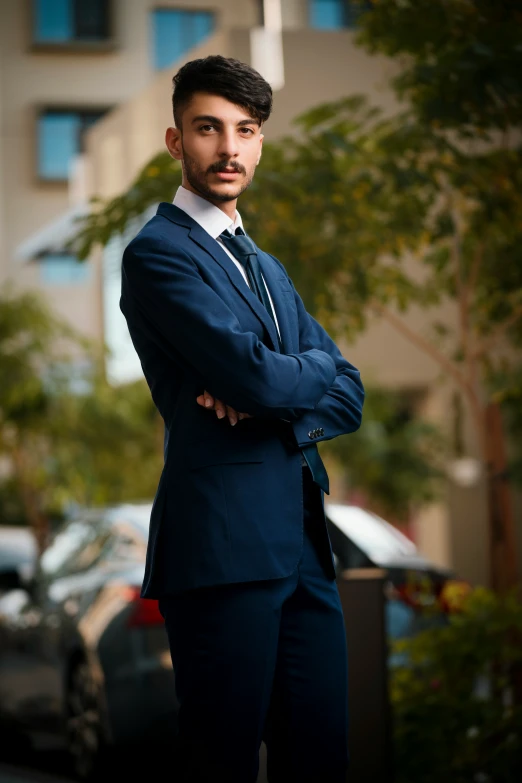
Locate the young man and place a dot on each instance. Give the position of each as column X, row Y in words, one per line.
column 247, row 383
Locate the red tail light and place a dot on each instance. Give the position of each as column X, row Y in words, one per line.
column 145, row 611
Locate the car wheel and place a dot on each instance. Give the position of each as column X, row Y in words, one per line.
column 84, row 734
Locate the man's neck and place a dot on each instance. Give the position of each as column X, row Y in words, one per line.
column 228, row 207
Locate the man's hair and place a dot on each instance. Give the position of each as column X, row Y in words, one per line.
column 231, row 79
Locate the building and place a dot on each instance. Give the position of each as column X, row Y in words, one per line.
column 84, row 103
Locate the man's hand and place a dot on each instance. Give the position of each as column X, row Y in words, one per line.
column 206, row 400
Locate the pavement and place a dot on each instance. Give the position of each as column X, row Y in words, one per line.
column 48, row 768
column 15, row 774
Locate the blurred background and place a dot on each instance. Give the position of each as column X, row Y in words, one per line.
column 390, row 187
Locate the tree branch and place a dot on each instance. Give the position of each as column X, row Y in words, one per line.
column 497, row 333
column 420, row 342
column 475, row 268
column 447, row 364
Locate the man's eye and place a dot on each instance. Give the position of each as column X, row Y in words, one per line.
column 206, row 127
column 247, row 131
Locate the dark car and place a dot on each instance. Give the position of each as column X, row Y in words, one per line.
column 18, row 553
column 414, row 585
column 84, row 661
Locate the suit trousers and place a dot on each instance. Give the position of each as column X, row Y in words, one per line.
column 263, row 660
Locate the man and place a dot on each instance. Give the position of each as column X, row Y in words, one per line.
column 247, row 383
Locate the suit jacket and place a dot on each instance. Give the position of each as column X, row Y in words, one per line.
column 229, row 502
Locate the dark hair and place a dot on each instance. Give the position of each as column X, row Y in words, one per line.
column 231, row 79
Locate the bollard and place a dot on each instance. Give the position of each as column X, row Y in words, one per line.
column 369, row 735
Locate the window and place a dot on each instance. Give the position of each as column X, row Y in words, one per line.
column 63, row 269
column 59, row 22
column 176, row 31
column 333, row 14
column 60, row 138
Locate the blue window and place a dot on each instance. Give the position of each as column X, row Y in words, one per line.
column 176, row 32
column 65, row 21
column 333, row 14
column 60, row 138
column 63, row 269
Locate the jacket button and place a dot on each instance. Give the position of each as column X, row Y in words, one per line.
column 321, row 431
column 311, row 435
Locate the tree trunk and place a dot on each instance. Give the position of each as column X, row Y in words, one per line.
column 502, row 550
column 36, row 519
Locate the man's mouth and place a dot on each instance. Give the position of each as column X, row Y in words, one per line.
column 227, row 174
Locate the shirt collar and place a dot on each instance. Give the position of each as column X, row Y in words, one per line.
column 212, row 219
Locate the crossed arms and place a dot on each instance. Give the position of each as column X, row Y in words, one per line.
column 314, row 388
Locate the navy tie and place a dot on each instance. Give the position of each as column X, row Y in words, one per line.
column 245, row 251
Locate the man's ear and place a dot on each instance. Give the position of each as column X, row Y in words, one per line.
column 173, row 142
column 260, row 148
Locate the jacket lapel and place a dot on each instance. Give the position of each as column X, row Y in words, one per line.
column 283, row 299
column 207, row 243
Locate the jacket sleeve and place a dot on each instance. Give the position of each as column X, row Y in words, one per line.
column 165, row 287
column 339, row 411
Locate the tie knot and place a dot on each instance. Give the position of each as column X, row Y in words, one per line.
column 239, row 245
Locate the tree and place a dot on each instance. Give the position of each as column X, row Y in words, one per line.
column 29, row 340
column 395, row 460
column 462, row 61
column 68, row 436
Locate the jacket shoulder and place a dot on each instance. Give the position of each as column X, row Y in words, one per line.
column 157, row 231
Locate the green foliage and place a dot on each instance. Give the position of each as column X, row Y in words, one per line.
column 29, row 335
column 105, row 446
column 458, row 702
column 61, row 444
column 461, row 59
column 156, row 182
column 395, row 458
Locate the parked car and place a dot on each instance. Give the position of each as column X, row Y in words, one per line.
column 414, row 586
column 84, row 661
column 18, row 555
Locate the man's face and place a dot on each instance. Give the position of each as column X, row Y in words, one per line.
column 219, row 146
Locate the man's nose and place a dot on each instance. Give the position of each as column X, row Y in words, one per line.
column 228, row 147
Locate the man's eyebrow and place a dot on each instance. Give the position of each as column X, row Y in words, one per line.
column 216, row 121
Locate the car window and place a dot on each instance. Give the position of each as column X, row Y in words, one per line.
column 128, row 543
column 75, row 548
column 378, row 539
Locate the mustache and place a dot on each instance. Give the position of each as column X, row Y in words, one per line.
column 221, row 165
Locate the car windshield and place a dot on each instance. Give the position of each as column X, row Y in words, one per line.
column 137, row 514
column 378, row 539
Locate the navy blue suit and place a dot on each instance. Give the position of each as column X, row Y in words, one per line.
column 237, row 522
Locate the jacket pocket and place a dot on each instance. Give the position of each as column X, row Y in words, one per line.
column 205, row 453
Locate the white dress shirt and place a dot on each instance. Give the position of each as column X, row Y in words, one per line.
column 214, row 221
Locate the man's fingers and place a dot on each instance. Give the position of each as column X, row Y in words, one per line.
column 232, row 415
column 220, row 409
